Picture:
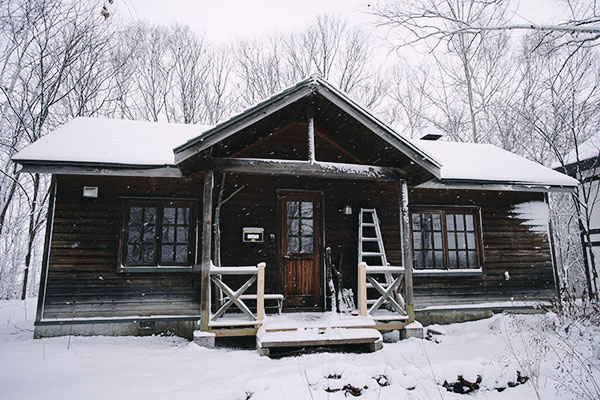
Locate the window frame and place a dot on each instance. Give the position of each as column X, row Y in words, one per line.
column 160, row 203
column 443, row 210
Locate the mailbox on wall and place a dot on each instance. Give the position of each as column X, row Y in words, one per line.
column 252, row 234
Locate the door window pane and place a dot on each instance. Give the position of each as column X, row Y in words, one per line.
column 293, row 244
column 307, row 209
column 307, row 245
column 293, row 209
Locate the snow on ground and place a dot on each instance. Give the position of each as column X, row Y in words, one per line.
column 172, row 368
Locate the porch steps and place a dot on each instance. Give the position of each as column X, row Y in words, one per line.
column 317, row 330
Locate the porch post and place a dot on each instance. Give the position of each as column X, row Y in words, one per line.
column 310, row 121
column 206, row 247
column 407, row 253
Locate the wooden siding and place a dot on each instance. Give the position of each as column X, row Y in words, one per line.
column 256, row 205
column 508, row 245
column 83, row 278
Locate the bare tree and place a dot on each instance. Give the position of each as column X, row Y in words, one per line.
column 430, row 19
column 467, row 72
column 562, row 109
column 48, row 43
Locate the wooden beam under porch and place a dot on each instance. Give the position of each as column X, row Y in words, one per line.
column 318, row 169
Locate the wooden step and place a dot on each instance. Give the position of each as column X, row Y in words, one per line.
column 317, row 338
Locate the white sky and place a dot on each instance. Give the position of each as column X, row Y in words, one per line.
column 225, row 20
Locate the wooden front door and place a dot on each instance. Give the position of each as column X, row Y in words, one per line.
column 301, row 222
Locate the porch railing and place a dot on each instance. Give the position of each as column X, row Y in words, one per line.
column 236, row 296
column 387, row 293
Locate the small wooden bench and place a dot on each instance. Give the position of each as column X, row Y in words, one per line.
column 276, row 297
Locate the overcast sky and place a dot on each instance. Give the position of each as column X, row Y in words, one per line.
column 225, row 20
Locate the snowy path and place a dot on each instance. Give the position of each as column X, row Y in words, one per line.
column 171, row 368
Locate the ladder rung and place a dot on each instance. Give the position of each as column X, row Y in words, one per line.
column 369, row 254
column 367, row 210
column 371, row 224
column 370, row 239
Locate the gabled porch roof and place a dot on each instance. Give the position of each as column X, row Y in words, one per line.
column 303, row 89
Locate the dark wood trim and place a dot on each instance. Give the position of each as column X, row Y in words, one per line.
column 475, row 211
column 407, row 249
column 310, row 125
column 266, row 138
column 115, row 320
column 594, row 231
column 552, row 251
column 237, row 123
column 318, row 226
column 206, row 261
column 159, row 203
column 152, row 198
column 101, row 169
column 338, row 147
column 377, row 127
column 47, row 247
column 317, row 169
column 495, row 186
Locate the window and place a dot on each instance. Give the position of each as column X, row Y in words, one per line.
column 158, row 233
column 300, row 238
column 446, row 239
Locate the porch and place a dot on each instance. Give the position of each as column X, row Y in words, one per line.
column 240, row 310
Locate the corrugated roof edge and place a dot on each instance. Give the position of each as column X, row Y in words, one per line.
column 317, row 81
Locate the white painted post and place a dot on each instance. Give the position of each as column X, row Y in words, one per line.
column 260, row 292
column 362, row 289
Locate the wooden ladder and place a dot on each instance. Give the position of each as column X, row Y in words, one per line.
column 376, row 256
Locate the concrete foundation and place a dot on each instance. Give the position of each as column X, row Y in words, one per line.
column 412, row 330
column 204, row 339
column 115, row 328
column 443, row 317
column 451, row 316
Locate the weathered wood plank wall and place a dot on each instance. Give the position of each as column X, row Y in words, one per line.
column 83, row 278
column 509, row 245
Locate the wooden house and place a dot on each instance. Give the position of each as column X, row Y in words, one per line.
column 583, row 164
column 130, row 234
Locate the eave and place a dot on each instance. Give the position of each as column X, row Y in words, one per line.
column 495, row 185
column 115, row 169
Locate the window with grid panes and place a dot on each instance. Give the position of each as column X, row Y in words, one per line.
column 445, row 239
column 158, row 234
column 300, row 237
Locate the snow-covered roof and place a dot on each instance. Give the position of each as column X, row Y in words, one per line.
column 488, row 163
column 110, row 142
column 124, row 143
column 590, row 149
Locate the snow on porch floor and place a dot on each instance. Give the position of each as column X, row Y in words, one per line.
column 311, row 320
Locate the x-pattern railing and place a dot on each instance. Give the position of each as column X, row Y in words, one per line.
column 389, row 294
column 235, row 296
